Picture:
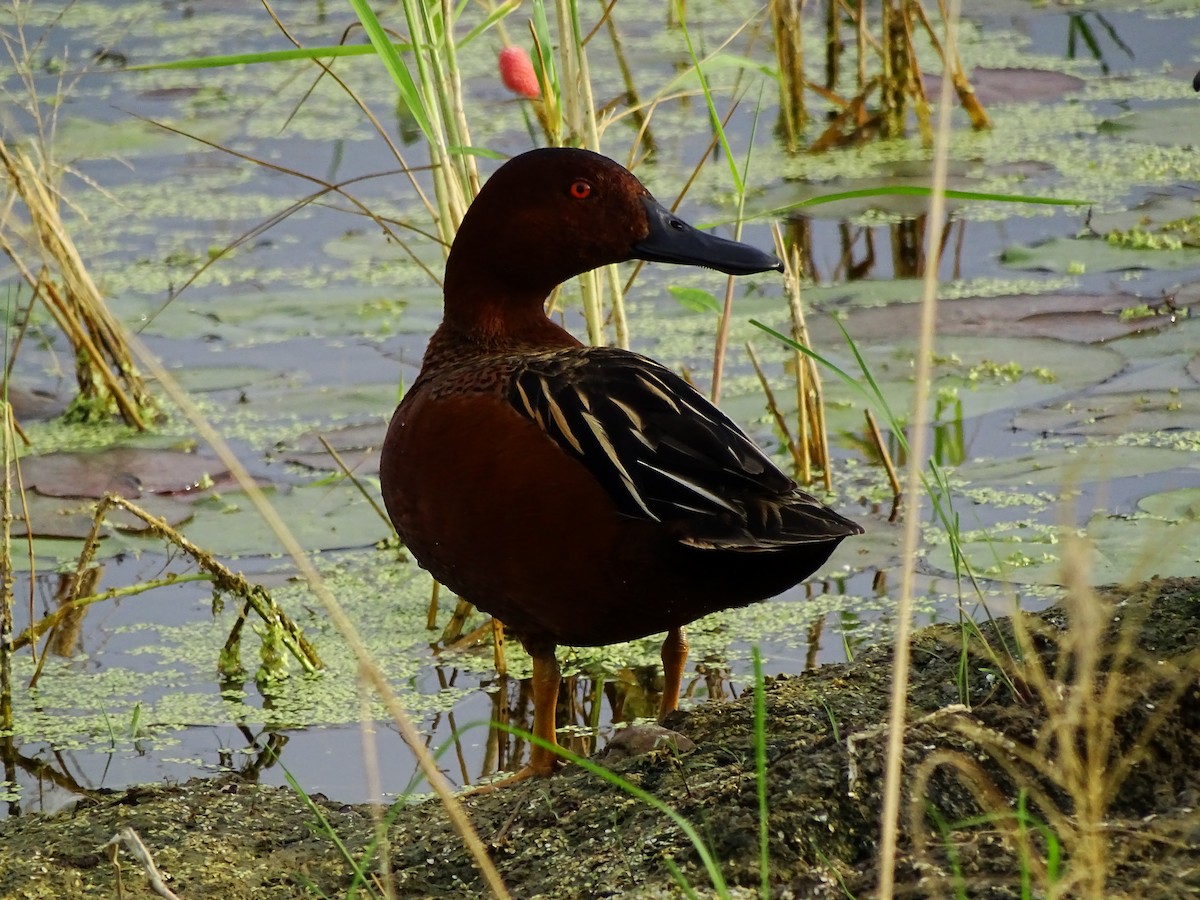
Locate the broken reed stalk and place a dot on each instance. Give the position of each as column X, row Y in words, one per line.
column 884, row 457
column 810, row 397
column 798, row 458
column 104, row 367
column 223, row 579
column 953, row 64
column 789, row 55
column 431, row 614
column 501, row 661
column 899, row 79
column 128, row 838
column 453, row 630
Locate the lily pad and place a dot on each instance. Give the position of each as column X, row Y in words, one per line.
column 1151, row 215
column 249, row 320
column 1115, row 414
column 989, row 374
column 1074, row 465
column 322, row 517
column 56, row 554
column 358, row 446
column 892, row 175
column 1175, row 506
column 1170, row 126
column 1091, row 254
column 127, row 471
column 205, row 379
column 34, row 405
column 1078, row 318
column 72, row 517
column 994, row 87
column 1120, row 548
column 82, row 138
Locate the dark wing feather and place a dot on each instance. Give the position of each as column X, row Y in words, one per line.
column 665, row 453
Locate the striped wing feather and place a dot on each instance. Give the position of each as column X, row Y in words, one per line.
column 665, row 453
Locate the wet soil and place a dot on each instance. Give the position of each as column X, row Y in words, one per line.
column 1091, row 732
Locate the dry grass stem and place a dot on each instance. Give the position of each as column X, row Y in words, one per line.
column 885, row 456
column 810, row 400
column 6, row 574
column 1104, row 702
column 105, row 371
column 916, row 462
column 128, row 838
column 369, row 496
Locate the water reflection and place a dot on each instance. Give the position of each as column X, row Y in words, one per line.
column 596, row 699
column 858, row 257
column 50, row 777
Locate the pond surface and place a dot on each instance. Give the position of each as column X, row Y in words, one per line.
column 1068, row 367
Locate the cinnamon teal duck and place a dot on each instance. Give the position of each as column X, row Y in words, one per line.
column 583, row 495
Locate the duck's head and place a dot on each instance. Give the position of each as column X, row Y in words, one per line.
column 548, row 215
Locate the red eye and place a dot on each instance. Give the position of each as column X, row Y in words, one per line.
column 580, row 189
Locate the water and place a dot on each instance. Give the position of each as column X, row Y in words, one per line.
column 313, row 322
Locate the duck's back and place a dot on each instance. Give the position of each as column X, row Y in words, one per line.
column 588, row 495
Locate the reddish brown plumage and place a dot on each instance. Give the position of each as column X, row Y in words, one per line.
column 582, row 496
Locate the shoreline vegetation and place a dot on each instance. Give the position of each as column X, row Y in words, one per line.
column 996, row 814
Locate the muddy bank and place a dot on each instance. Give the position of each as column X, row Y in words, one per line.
column 1122, row 753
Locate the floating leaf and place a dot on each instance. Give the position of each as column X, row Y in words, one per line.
column 1177, row 506
column 695, row 299
column 1078, row 318
column 1059, row 468
column 994, row 87
column 322, row 517
column 1116, row 414
column 72, row 517
column 357, row 445
column 127, row 471
column 1093, row 254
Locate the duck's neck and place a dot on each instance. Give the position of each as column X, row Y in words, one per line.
column 478, row 321
column 495, row 300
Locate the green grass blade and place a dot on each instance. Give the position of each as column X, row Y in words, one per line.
column 396, row 67
column 702, row 849
column 808, row 351
column 264, row 56
column 489, row 20
column 760, row 771
column 708, row 100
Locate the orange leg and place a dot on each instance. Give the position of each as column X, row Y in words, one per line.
column 542, row 762
column 674, row 658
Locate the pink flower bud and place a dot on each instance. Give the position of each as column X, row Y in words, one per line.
column 516, row 71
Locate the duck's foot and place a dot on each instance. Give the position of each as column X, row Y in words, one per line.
column 536, row 769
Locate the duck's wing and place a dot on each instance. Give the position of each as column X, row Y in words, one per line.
column 665, row 453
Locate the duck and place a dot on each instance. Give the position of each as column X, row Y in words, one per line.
column 583, row 495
